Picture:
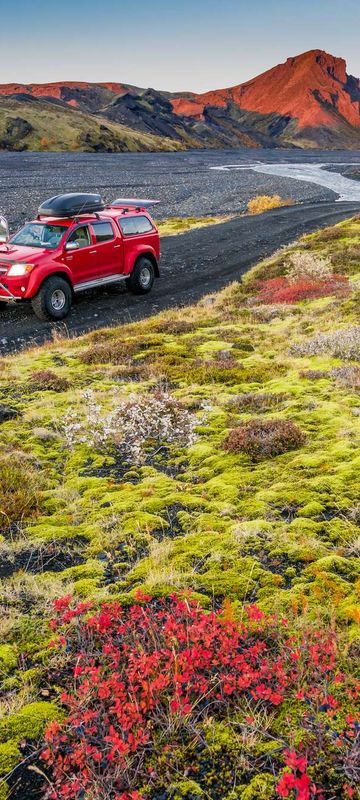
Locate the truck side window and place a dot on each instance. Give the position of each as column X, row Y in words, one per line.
column 131, row 226
column 143, row 225
column 128, row 225
column 103, row 231
column 81, row 235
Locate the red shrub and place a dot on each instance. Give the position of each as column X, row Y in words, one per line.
column 281, row 290
column 48, row 380
column 264, row 438
column 146, row 682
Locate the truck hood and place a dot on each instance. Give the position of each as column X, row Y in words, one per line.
column 31, row 255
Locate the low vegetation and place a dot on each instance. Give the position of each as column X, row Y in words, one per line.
column 163, row 690
column 266, row 202
column 42, row 126
column 186, row 492
column 308, row 277
column 176, row 225
column 264, row 438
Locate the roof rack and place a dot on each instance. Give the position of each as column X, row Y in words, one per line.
column 74, row 217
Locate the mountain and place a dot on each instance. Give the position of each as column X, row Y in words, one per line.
column 315, row 102
column 309, row 101
column 27, row 124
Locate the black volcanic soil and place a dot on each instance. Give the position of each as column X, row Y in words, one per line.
column 183, row 182
column 193, row 265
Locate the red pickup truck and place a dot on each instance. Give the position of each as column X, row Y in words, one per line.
column 77, row 243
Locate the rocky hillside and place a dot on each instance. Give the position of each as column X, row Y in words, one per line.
column 213, row 452
column 36, row 124
column 309, row 101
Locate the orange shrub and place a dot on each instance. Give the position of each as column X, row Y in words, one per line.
column 265, row 202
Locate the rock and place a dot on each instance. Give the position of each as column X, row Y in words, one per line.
column 7, row 413
column 16, row 130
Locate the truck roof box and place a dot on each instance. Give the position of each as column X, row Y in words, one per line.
column 70, row 205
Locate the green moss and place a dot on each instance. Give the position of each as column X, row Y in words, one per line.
column 87, row 587
column 176, row 225
column 9, row 757
column 4, row 791
column 8, row 658
column 186, row 789
column 92, row 569
column 261, row 787
column 283, row 533
column 312, row 509
column 347, row 568
column 29, row 723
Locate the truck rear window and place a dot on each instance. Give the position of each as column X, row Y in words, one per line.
column 131, row 226
column 103, row 231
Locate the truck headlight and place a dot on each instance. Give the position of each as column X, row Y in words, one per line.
column 16, row 270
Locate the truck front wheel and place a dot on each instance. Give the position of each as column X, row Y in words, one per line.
column 142, row 277
column 53, row 300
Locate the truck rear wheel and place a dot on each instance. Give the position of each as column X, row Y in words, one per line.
column 142, row 277
column 53, row 300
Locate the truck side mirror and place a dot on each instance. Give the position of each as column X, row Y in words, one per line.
column 72, row 246
column 4, row 230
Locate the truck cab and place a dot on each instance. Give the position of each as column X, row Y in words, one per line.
column 77, row 242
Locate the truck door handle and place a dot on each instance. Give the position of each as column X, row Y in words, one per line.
column 117, row 246
column 93, row 252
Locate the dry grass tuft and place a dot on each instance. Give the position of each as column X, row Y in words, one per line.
column 264, row 202
column 304, row 265
column 112, row 352
column 46, row 380
column 256, row 402
column 19, row 489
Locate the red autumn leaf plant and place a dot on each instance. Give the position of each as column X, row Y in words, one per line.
column 283, row 290
column 146, row 683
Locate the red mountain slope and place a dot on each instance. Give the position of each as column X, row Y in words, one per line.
column 55, row 90
column 307, row 88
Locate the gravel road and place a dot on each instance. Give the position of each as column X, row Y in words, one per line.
column 193, row 264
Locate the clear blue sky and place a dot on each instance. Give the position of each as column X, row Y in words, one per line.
column 188, row 44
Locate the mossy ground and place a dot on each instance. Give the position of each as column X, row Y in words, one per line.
column 283, row 532
column 176, row 225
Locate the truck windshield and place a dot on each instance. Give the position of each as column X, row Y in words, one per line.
column 38, row 234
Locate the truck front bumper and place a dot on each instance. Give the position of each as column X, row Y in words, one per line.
column 13, row 290
column 6, row 294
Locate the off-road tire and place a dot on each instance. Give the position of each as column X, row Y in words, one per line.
column 53, row 300
column 142, row 277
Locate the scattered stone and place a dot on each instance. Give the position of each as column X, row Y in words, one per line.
column 7, row 413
